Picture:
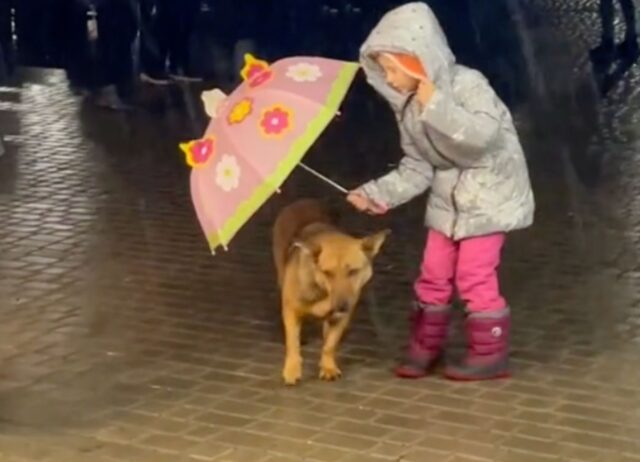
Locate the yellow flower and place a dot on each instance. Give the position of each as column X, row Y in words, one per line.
column 240, row 111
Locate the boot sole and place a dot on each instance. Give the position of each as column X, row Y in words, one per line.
column 465, row 378
column 420, row 373
column 409, row 375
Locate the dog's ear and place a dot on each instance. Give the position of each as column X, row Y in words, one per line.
column 372, row 244
column 309, row 249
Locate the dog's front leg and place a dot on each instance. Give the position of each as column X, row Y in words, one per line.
column 329, row 370
column 292, row 371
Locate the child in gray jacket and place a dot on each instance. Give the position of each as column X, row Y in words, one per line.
column 459, row 141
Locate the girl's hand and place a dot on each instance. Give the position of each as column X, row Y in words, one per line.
column 359, row 201
column 364, row 204
column 425, row 91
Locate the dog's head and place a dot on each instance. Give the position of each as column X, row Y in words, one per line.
column 340, row 266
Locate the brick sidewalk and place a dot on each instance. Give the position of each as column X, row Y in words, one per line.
column 123, row 340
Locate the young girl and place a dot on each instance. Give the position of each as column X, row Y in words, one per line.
column 458, row 140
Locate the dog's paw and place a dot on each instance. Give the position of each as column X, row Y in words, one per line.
column 330, row 372
column 292, row 372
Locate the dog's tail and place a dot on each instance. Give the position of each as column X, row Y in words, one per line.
column 291, row 220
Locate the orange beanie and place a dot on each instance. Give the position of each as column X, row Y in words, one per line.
column 409, row 64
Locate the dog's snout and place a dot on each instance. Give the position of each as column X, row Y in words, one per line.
column 338, row 312
column 342, row 307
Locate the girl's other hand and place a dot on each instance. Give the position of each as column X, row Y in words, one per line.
column 425, row 91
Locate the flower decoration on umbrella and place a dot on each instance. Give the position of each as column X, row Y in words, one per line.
column 199, row 152
column 240, row 111
column 304, row 72
column 228, row 173
column 255, row 71
column 276, row 121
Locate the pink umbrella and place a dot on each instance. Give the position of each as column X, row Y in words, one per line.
column 258, row 135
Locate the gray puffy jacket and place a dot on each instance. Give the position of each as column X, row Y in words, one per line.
column 462, row 144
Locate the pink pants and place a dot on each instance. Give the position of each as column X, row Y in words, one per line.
column 473, row 265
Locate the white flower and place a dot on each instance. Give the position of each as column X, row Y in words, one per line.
column 304, row 72
column 228, row 173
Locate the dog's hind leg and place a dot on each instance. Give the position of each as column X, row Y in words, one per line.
column 292, row 371
column 333, row 333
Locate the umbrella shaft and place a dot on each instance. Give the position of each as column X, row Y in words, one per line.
column 324, row 178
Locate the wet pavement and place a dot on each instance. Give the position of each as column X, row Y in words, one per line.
column 124, row 340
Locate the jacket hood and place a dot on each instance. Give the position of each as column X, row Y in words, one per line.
column 410, row 29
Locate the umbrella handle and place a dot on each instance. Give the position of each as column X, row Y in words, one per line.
column 324, row 178
column 381, row 208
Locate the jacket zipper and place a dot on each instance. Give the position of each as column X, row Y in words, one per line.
column 455, row 206
column 453, row 190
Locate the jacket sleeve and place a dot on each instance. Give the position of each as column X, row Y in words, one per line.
column 410, row 178
column 464, row 131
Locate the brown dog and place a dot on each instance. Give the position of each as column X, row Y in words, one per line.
column 321, row 272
